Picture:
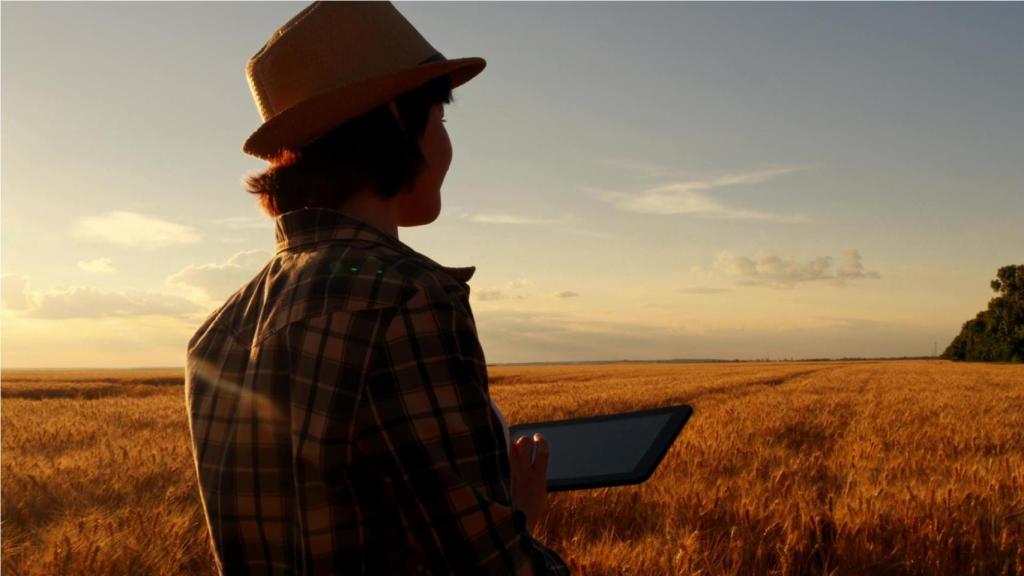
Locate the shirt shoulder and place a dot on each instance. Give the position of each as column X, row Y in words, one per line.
column 346, row 277
column 334, row 277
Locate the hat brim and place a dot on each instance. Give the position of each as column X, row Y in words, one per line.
column 293, row 128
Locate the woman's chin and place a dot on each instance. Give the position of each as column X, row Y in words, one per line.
column 421, row 215
column 419, row 218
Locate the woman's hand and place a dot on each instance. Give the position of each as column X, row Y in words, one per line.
column 529, row 481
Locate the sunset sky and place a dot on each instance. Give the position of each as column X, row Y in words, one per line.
column 632, row 181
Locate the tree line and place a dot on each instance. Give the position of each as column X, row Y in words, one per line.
column 995, row 334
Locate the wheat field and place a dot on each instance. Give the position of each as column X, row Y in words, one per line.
column 889, row 467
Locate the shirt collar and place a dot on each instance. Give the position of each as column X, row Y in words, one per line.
column 314, row 225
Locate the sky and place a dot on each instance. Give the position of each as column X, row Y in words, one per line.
column 632, row 181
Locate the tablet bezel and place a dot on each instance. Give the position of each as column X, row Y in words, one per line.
column 680, row 414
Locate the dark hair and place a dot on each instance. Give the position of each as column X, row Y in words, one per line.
column 370, row 151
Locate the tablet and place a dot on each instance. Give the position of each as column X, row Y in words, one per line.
column 612, row 450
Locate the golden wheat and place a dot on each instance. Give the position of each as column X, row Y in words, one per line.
column 786, row 468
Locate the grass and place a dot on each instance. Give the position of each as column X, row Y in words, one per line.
column 909, row 467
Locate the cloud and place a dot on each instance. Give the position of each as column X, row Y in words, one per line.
column 690, row 197
column 526, row 336
column 770, row 270
column 850, row 266
column 642, row 169
column 218, row 281
column 504, row 218
column 109, row 342
column 244, row 223
column 89, row 302
column 487, row 295
column 591, row 233
column 493, row 294
column 567, row 294
column 98, row 266
column 16, row 295
column 564, row 223
column 135, row 230
column 701, row 290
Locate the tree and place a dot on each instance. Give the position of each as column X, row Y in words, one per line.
column 996, row 334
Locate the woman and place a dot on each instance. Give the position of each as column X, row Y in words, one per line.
column 339, row 408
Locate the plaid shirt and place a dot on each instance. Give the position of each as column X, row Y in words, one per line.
column 340, row 416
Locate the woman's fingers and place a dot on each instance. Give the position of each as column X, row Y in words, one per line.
column 543, row 452
column 520, row 454
column 519, row 445
column 529, row 479
column 531, row 450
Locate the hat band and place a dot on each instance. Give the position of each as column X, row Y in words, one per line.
column 437, row 57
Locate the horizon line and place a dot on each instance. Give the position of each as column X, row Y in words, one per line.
column 553, row 362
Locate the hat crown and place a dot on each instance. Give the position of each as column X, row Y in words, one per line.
column 328, row 45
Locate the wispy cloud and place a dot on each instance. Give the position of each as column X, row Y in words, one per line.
column 523, row 335
column 16, row 293
column 97, row 266
column 567, row 294
column 487, row 295
column 216, row 281
column 642, row 169
column 515, row 336
column 851, row 267
column 691, row 197
column 506, row 218
column 244, row 223
column 770, row 270
column 135, row 230
column 702, row 290
column 89, row 302
column 490, row 295
column 564, row 222
column 591, row 233
column 519, row 283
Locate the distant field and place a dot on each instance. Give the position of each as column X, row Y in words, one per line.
column 910, row 467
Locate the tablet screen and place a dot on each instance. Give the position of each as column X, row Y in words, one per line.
column 606, row 450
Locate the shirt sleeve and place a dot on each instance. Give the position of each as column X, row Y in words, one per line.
column 427, row 424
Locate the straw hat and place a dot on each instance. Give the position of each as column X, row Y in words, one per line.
column 334, row 61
